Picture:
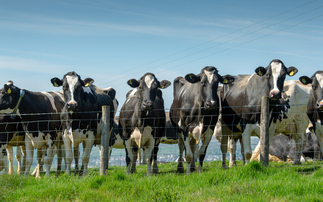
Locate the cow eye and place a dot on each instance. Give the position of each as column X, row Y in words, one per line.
column 313, row 87
column 267, row 76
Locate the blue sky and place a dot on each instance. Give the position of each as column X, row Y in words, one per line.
column 113, row 41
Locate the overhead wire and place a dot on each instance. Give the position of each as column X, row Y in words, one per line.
column 225, row 35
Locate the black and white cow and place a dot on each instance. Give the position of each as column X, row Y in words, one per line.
column 241, row 102
column 194, row 113
column 39, row 112
column 142, row 120
column 315, row 104
column 81, row 115
column 293, row 123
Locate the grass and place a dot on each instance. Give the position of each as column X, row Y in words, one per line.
column 253, row 182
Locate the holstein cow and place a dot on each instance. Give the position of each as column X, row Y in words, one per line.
column 194, row 113
column 81, row 115
column 241, row 102
column 293, row 123
column 39, row 112
column 142, row 120
column 315, row 104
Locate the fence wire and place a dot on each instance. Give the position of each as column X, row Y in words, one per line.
column 13, row 129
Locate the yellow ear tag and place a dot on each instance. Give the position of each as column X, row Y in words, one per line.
column 225, row 81
column 162, row 87
column 8, row 91
column 130, row 82
column 55, row 84
column 191, row 76
column 291, row 73
column 312, row 130
column 260, row 73
column 87, row 84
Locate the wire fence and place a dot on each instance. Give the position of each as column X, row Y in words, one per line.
column 13, row 129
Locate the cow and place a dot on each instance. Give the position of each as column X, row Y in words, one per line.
column 315, row 104
column 194, row 113
column 81, row 116
column 293, row 123
column 241, row 103
column 142, row 120
column 39, row 113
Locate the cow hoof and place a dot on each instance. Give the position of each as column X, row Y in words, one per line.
column 297, row 163
column 232, row 164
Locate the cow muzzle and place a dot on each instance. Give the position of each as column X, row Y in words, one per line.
column 319, row 105
column 274, row 95
column 210, row 105
column 147, row 105
column 71, row 106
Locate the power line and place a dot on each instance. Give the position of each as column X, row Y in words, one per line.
column 225, row 35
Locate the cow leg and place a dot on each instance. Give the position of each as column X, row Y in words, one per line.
column 76, row 152
column 29, row 154
column 48, row 159
column 154, row 157
column 256, row 152
column 300, row 141
column 140, row 155
column 59, row 158
column 10, row 159
column 151, row 144
column 224, row 145
column 194, row 148
column 232, row 145
column 180, row 165
column 319, row 135
column 242, row 151
column 88, row 143
column 23, row 166
column 68, row 153
column 136, row 152
column 18, row 158
column 189, row 154
column 202, row 151
column 129, row 155
column 39, row 166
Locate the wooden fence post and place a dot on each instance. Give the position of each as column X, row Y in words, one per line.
column 264, row 132
column 105, row 138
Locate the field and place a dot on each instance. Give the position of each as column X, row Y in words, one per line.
column 253, row 182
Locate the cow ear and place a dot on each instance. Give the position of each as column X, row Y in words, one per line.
column 56, row 82
column 192, row 78
column 7, row 89
column 88, row 81
column 227, row 79
column 133, row 83
column 164, row 84
column 111, row 92
column 291, row 71
column 260, row 71
column 305, row 80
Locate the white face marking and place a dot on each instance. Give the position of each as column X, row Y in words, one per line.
column 276, row 69
column 72, row 80
column 51, row 99
column 149, row 79
column 319, row 78
column 209, row 75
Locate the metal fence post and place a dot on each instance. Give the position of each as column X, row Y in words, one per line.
column 264, row 131
column 105, row 138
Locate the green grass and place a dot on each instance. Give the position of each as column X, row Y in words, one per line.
column 253, row 182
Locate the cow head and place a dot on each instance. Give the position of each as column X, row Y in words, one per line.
column 73, row 89
column 9, row 96
column 317, row 88
column 147, row 89
column 275, row 73
column 208, row 81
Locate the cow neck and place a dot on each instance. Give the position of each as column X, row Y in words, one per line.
column 22, row 94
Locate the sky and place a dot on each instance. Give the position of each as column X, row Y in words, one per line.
column 114, row 41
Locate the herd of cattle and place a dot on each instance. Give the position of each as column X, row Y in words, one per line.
column 57, row 122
